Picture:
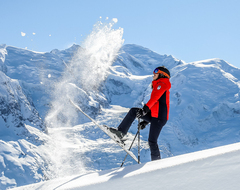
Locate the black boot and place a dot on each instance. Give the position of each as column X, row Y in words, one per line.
column 119, row 134
column 155, row 153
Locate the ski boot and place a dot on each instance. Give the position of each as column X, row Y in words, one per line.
column 118, row 133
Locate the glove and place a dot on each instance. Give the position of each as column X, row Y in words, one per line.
column 142, row 124
column 142, row 111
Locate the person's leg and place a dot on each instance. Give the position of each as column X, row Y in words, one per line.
column 129, row 118
column 127, row 121
column 155, row 129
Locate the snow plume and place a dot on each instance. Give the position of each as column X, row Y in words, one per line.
column 80, row 82
column 85, row 73
column 91, row 63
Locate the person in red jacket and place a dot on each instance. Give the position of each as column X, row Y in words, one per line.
column 155, row 111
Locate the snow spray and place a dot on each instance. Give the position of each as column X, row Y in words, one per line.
column 80, row 82
column 91, row 63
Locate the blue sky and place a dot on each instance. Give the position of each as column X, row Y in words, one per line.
column 190, row 30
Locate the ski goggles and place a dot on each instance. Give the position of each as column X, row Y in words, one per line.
column 158, row 71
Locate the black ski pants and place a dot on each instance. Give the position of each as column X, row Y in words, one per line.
column 155, row 129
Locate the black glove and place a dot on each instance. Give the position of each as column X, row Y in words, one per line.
column 142, row 111
column 142, row 124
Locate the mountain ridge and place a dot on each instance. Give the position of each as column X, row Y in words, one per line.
column 204, row 110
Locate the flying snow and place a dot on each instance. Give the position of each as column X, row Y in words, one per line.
column 115, row 20
column 82, row 76
column 23, row 34
column 91, row 63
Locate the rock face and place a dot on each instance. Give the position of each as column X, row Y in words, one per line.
column 15, row 109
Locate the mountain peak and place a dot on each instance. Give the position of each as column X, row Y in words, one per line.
column 204, row 109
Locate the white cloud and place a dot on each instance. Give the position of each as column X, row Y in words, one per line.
column 34, row 33
column 23, row 34
column 50, row 34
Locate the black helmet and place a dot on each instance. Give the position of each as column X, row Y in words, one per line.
column 162, row 70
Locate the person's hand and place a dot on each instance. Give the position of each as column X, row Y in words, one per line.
column 142, row 111
column 142, row 124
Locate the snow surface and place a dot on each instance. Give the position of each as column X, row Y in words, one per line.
column 217, row 168
column 43, row 137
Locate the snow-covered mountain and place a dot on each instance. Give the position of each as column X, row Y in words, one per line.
column 216, row 168
column 44, row 137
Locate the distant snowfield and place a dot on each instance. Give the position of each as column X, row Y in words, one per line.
column 217, row 168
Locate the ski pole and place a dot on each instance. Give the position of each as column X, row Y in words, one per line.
column 138, row 141
column 130, row 149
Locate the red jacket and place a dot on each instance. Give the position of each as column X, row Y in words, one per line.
column 159, row 101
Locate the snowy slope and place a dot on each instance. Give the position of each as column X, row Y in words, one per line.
column 106, row 79
column 216, row 168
